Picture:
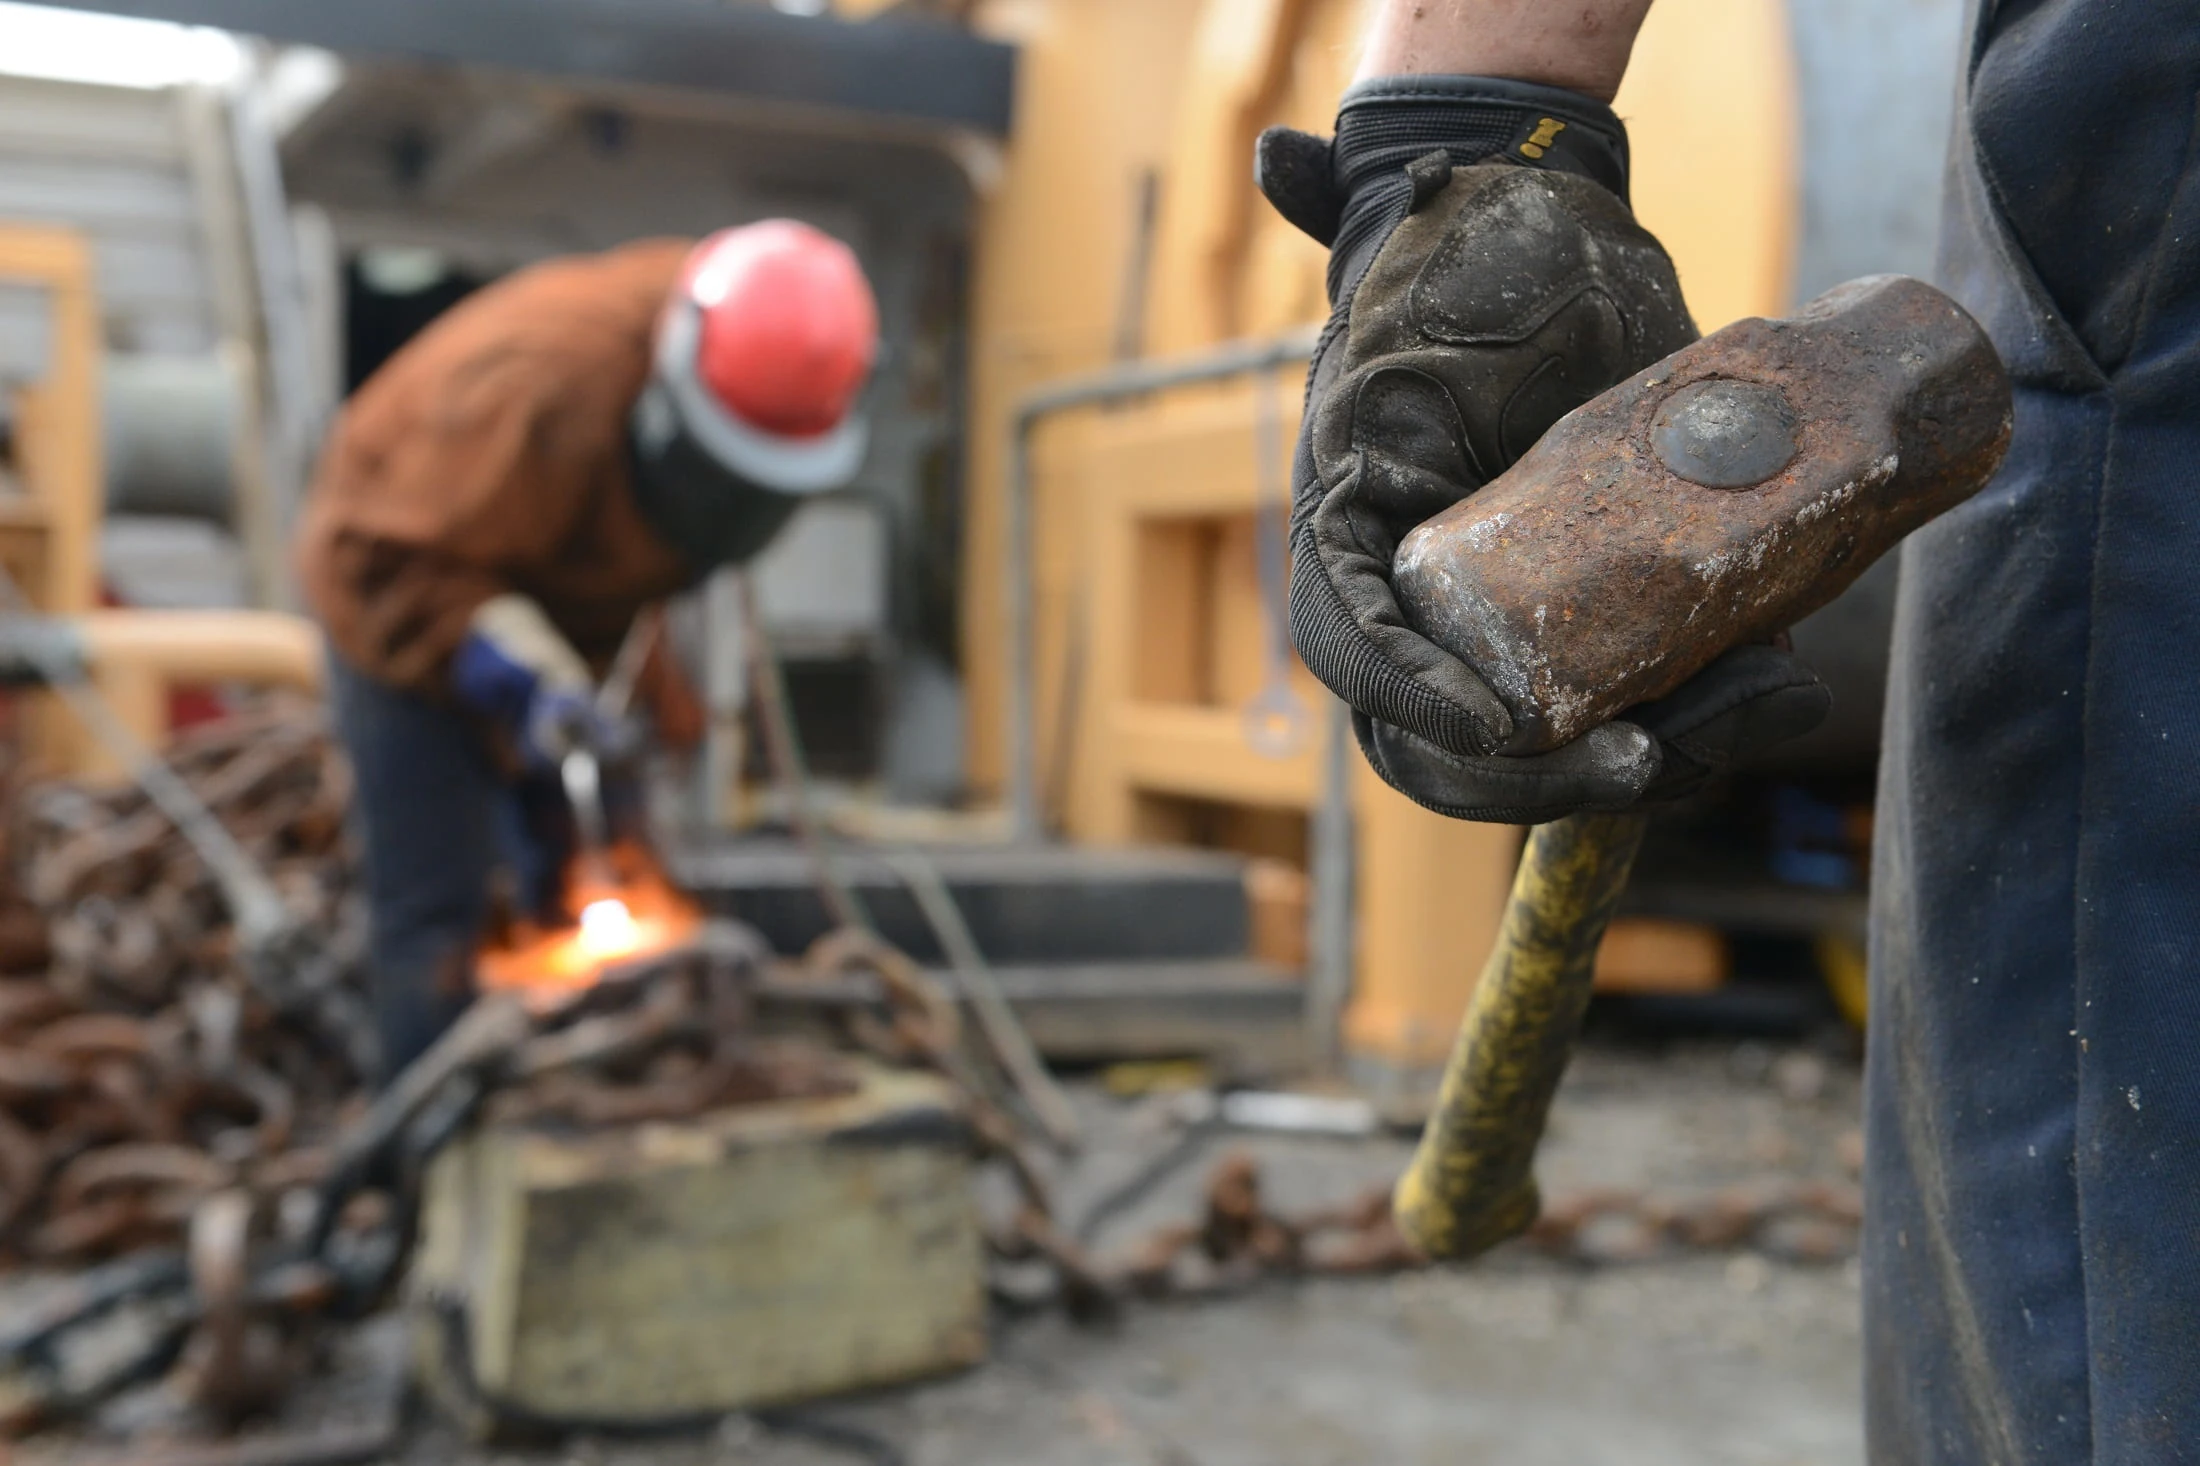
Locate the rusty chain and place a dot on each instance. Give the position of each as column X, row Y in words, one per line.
column 157, row 1110
column 1238, row 1240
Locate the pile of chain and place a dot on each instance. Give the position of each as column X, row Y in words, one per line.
column 114, row 1126
column 157, row 1109
column 1792, row 1220
column 154, row 1107
column 141, row 1073
column 243, row 1239
column 135, row 918
column 678, row 1044
column 1239, row 1241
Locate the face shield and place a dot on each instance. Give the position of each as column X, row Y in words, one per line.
column 750, row 408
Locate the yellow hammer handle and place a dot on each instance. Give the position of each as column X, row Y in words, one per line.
column 1471, row 1183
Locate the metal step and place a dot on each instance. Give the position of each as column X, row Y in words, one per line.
column 1032, row 906
column 1246, row 1018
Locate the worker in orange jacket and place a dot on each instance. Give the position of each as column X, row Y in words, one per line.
column 501, row 499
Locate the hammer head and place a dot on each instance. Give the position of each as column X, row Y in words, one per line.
column 1714, row 499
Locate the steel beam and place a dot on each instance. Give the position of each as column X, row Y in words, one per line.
column 907, row 70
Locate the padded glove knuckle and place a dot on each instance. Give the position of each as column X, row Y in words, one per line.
column 1517, row 247
column 1748, row 700
column 1522, row 294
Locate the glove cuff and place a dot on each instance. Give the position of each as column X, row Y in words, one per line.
column 1386, row 123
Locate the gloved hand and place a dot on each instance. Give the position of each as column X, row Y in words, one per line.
column 515, row 669
column 1486, row 278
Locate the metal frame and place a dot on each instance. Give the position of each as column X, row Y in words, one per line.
column 1116, row 384
column 915, row 72
column 1330, row 915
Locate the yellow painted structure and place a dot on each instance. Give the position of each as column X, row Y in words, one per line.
column 1711, row 113
column 51, row 512
column 51, row 508
column 1150, row 620
column 138, row 657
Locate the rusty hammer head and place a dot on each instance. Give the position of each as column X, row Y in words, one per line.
column 1714, row 499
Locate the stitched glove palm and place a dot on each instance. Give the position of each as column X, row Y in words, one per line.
column 1487, row 278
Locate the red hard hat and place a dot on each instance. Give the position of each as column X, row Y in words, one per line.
column 767, row 341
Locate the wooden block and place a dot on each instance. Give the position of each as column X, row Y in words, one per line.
column 762, row 1254
column 1646, row 955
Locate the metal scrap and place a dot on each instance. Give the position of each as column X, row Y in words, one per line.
column 157, row 1108
column 1239, row 1241
column 1796, row 1220
column 202, row 1121
column 152, row 1092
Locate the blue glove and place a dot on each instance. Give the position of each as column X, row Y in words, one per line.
column 515, row 669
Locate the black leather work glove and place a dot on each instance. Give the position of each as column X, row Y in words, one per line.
column 1486, row 278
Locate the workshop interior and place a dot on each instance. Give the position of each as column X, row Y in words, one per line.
column 966, row 997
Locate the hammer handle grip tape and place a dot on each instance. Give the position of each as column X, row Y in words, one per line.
column 1471, row 1183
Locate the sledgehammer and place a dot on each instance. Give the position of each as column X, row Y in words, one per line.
column 1712, row 500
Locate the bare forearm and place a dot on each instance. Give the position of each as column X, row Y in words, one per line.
column 1579, row 44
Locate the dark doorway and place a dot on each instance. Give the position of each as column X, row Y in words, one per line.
column 385, row 306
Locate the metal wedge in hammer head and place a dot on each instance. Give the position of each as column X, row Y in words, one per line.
column 1714, row 499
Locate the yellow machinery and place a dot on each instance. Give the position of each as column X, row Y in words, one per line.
column 1152, row 707
column 1152, row 698
column 50, row 513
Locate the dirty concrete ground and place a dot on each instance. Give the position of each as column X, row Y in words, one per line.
column 1705, row 1359
column 1702, row 1360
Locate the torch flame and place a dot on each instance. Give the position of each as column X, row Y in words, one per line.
column 636, row 913
column 608, row 929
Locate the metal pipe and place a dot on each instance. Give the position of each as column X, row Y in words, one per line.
column 266, row 648
column 1004, row 1032
column 1329, row 913
column 616, row 694
column 725, row 699
column 168, row 429
column 1117, row 384
column 255, row 905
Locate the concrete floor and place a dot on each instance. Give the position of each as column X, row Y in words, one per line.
column 1693, row 1364
column 1704, row 1360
